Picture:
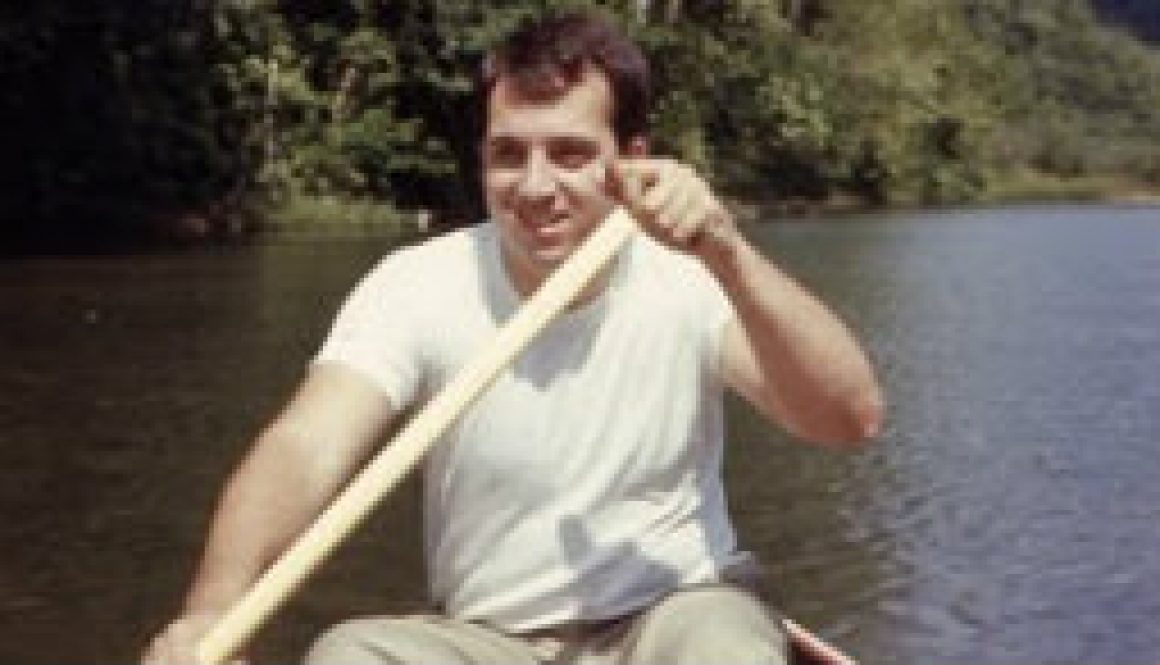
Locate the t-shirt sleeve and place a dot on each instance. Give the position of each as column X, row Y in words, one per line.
column 375, row 332
column 712, row 312
column 719, row 314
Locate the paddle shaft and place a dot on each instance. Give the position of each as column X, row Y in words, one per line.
column 373, row 483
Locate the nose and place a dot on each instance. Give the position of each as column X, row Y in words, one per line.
column 538, row 178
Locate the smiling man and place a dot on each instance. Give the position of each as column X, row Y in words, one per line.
column 577, row 513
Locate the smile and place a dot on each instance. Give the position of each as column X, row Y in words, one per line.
column 550, row 228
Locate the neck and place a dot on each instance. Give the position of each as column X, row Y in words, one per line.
column 526, row 280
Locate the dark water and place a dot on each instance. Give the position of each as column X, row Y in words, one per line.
column 1009, row 515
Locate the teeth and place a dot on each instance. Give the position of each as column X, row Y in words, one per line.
column 541, row 223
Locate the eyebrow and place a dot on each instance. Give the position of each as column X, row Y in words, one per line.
column 574, row 141
column 565, row 139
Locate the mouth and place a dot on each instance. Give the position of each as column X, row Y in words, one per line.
column 545, row 227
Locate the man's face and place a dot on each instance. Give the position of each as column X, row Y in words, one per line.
column 545, row 165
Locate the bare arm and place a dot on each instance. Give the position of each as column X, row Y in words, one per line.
column 296, row 465
column 786, row 352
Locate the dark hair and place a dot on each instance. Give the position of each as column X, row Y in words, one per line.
column 546, row 56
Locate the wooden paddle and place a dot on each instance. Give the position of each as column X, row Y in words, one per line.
column 394, row 461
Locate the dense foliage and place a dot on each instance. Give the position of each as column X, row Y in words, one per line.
column 201, row 117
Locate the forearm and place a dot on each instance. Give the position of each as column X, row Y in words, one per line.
column 269, row 500
column 808, row 371
column 292, row 471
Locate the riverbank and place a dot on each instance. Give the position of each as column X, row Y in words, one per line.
column 1011, row 188
column 1034, row 187
column 336, row 218
column 320, row 218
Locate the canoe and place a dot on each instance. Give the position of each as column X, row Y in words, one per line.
column 809, row 649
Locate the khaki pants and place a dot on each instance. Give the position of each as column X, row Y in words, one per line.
column 717, row 623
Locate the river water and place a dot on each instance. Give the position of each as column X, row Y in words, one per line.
column 1010, row 513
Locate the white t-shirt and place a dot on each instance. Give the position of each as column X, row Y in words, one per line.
column 586, row 482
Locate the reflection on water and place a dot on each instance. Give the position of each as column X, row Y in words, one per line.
column 1008, row 515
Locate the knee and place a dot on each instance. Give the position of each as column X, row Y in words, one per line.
column 711, row 625
column 354, row 642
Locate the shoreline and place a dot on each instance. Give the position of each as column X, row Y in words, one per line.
column 1026, row 190
column 333, row 219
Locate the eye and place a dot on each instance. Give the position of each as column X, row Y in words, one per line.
column 504, row 153
column 573, row 154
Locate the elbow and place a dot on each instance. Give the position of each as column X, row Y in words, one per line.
column 850, row 423
column 868, row 416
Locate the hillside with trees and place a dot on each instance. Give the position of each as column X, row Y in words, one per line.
column 215, row 118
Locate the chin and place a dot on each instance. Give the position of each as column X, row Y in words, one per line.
column 552, row 257
column 550, row 251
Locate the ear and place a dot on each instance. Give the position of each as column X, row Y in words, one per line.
column 637, row 146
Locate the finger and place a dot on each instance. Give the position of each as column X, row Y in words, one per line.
column 644, row 170
column 677, row 196
column 666, row 203
column 629, row 178
column 688, row 221
column 665, row 182
column 691, row 220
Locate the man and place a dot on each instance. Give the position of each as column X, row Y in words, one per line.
column 576, row 513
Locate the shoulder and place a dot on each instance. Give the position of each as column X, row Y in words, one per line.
column 434, row 261
column 674, row 290
column 664, row 271
column 458, row 248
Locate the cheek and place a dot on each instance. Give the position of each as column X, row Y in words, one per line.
column 496, row 184
column 590, row 180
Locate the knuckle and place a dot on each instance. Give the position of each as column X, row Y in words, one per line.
column 651, row 205
column 664, row 225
